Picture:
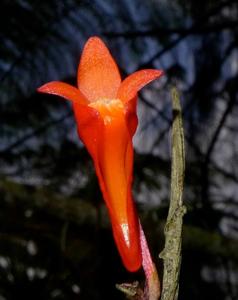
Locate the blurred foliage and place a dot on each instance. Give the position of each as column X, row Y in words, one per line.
column 55, row 238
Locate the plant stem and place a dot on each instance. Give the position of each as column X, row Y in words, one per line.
column 173, row 228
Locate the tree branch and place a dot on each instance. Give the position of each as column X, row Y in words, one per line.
column 159, row 31
column 199, row 23
column 35, row 132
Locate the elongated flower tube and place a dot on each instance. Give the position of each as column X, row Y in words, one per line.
column 105, row 112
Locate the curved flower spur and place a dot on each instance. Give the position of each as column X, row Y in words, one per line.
column 105, row 112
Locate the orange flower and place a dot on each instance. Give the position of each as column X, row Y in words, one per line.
column 105, row 111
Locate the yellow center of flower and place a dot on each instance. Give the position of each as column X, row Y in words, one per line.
column 108, row 108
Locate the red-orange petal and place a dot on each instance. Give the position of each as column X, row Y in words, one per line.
column 98, row 75
column 110, row 145
column 114, row 166
column 136, row 81
column 131, row 115
column 64, row 90
column 89, row 126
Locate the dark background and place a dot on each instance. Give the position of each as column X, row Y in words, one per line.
column 55, row 237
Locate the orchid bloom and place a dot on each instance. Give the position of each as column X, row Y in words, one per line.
column 105, row 112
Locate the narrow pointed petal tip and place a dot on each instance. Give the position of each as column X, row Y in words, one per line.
column 98, row 74
column 63, row 90
column 135, row 82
